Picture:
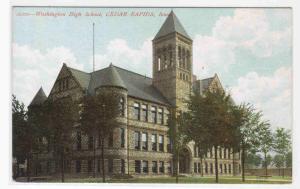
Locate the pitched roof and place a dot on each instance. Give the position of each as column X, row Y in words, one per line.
column 206, row 82
column 82, row 77
column 39, row 98
column 137, row 85
column 109, row 77
column 202, row 85
column 171, row 25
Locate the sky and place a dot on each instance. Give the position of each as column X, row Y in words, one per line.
column 249, row 48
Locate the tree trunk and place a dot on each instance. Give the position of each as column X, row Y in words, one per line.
column 177, row 165
column 102, row 159
column 266, row 164
column 28, row 168
column 233, row 164
column 283, row 172
column 216, row 164
column 62, row 167
column 201, row 166
column 243, row 164
column 94, row 156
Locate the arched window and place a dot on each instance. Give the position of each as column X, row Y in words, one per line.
column 122, row 106
column 158, row 64
column 179, row 55
column 183, row 58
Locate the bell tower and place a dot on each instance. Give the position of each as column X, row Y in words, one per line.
column 172, row 61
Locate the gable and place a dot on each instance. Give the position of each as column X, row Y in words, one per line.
column 65, row 81
column 215, row 84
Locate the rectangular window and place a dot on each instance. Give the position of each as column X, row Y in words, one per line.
column 160, row 117
column 225, row 168
column 221, row 168
column 169, row 149
column 145, row 166
column 99, row 140
column 154, row 142
column 122, row 137
column 220, row 153
column 211, row 168
column 206, row 167
column 144, row 141
column 169, row 167
column 137, row 140
column 111, row 139
column 199, row 168
column 98, row 165
column 89, row 165
column 154, row 166
column 195, row 168
column 211, row 152
column 161, row 143
column 110, row 165
column 195, row 151
column 144, row 116
column 122, row 166
column 122, row 107
column 78, row 136
column 137, row 166
column 161, row 167
column 153, row 114
column 224, row 150
column 229, row 168
column 90, row 143
column 48, row 167
column 167, row 116
column 136, row 111
column 78, row 166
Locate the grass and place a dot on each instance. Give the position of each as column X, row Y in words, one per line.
column 187, row 180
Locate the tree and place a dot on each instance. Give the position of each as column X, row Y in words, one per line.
column 278, row 162
column 253, row 159
column 265, row 138
column 289, row 159
column 60, row 117
column 19, row 131
column 282, row 144
column 246, row 124
column 177, row 133
column 211, row 119
column 99, row 117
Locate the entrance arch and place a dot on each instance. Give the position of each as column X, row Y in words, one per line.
column 185, row 161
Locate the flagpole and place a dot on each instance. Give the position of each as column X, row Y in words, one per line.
column 93, row 46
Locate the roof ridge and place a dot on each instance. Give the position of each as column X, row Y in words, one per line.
column 78, row 70
column 133, row 72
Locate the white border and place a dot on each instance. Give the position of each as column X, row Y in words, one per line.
column 5, row 99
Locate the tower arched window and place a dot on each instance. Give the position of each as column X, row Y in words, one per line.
column 183, row 58
column 179, row 56
column 188, row 59
column 122, row 106
column 158, row 64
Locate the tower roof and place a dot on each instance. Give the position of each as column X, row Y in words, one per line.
column 110, row 78
column 171, row 25
column 39, row 98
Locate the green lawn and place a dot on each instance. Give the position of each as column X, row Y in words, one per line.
column 190, row 180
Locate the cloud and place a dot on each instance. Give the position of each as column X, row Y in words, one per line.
column 246, row 29
column 271, row 94
column 33, row 68
column 121, row 54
